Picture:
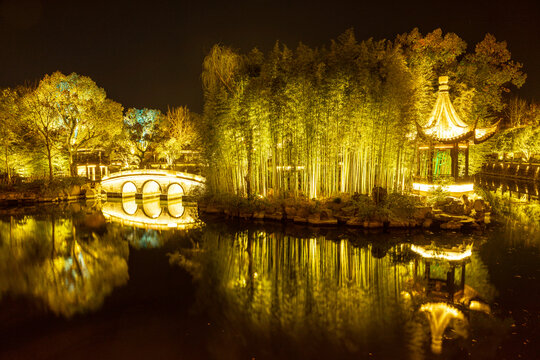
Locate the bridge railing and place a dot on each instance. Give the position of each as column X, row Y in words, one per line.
column 158, row 172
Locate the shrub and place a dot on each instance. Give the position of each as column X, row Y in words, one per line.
column 44, row 186
column 402, row 206
column 378, row 194
column 437, row 195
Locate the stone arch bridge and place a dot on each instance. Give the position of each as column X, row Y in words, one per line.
column 149, row 183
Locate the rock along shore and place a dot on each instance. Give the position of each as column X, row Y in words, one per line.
column 73, row 193
column 450, row 214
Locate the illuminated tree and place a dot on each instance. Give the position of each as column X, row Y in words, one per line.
column 179, row 132
column 427, row 58
column 296, row 118
column 86, row 118
column 40, row 118
column 8, row 128
column 522, row 134
column 516, row 112
column 220, row 71
column 317, row 122
column 142, row 131
column 492, row 72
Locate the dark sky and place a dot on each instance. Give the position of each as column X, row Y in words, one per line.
column 149, row 54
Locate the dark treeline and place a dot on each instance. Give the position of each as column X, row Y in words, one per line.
column 340, row 118
column 42, row 127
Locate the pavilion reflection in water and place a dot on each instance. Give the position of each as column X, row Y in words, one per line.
column 316, row 291
column 441, row 293
column 351, row 294
column 151, row 214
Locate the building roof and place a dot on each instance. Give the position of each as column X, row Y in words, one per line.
column 445, row 125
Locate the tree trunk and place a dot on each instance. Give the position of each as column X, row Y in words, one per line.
column 248, row 175
column 71, row 167
column 49, row 158
column 7, row 166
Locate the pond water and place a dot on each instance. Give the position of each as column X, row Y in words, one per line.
column 140, row 280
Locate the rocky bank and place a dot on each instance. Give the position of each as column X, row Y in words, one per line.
column 449, row 213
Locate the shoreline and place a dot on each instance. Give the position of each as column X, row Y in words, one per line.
column 452, row 214
column 44, row 195
column 12, row 199
column 474, row 216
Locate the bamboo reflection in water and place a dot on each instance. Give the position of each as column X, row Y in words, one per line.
column 306, row 287
column 316, row 291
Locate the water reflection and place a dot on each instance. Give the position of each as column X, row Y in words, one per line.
column 442, row 316
column 528, row 189
column 151, row 213
column 320, row 292
column 72, row 259
column 266, row 293
column 62, row 260
column 147, row 224
column 439, row 290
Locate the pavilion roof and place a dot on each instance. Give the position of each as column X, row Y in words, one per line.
column 432, row 251
column 482, row 134
column 445, row 125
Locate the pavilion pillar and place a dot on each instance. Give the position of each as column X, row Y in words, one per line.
column 462, row 283
column 418, row 157
column 450, row 276
column 454, row 154
column 467, row 161
column 430, row 164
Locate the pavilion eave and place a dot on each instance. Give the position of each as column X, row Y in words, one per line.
column 445, row 140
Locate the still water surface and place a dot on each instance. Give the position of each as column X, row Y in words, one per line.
column 151, row 280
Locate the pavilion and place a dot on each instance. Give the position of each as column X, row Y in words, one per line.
column 443, row 146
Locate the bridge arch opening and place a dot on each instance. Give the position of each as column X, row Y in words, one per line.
column 129, row 206
column 152, row 208
column 176, row 210
column 151, row 188
column 129, row 189
column 174, row 191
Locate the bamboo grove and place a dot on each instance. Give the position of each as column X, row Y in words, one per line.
column 338, row 119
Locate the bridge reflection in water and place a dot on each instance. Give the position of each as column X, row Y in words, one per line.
column 315, row 296
column 71, row 260
column 151, row 213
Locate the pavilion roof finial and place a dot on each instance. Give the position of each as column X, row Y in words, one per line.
column 443, row 83
column 445, row 125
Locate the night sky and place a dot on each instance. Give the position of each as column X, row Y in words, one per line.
column 150, row 54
